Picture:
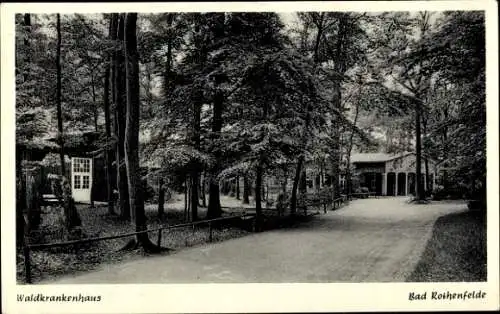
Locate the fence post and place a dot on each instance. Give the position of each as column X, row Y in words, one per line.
column 210, row 231
column 26, row 251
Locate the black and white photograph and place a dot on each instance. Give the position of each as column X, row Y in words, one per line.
column 253, row 146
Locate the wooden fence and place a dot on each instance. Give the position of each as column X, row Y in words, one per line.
column 27, row 247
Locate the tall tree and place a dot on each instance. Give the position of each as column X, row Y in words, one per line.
column 58, row 97
column 71, row 215
column 131, row 145
column 113, row 24
column 405, row 76
column 455, row 53
column 119, row 119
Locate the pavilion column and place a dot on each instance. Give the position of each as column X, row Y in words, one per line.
column 407, row 183
column 384, row 183
column 396, row 187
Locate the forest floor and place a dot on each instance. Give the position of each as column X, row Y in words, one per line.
column 96, row 222
column 370, row 240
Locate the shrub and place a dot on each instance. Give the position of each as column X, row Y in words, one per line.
column 450, row 192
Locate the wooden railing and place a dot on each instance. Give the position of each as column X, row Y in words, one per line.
column 27, row 247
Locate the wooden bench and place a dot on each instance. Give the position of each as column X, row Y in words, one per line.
column 49, row 199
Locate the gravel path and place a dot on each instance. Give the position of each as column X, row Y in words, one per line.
column 371, row 240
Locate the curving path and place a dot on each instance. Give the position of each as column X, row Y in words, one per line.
column 370, row 240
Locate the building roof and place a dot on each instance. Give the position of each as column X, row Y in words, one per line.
column 375, row 157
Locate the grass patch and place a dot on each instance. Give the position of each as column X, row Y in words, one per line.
column 456, row 251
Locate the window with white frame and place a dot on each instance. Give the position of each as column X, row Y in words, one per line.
column 86, row 182
column 77, row 182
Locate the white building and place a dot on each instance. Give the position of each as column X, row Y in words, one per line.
column 391, row 175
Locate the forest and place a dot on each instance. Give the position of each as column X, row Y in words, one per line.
column 193, row 102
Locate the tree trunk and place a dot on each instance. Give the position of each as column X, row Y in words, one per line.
column 284, row 182
column 194, row 195
column 419, row 184
column 20, row 199
column 214, row 209
column 27, row 44
column 107, row 121
column 339, row 67
column 195, row 140
column 303, row 181
column 203, row 191
column 246, row 189
column 237, row 187
column 32, row 200
column 71, row 214
column 349, row 151
column 188, row 199
column 300, row 179
column 168, row 66
column 335, row 155
column 58, row 97
column 185, row 199
column 296, row 181
column 120, row 122
column 161, row 198
column 94, row 97
column 72, row 218
column 426, row 161
column 132, row 131
column 92, row 186
column 258, row 200
column 20, row 177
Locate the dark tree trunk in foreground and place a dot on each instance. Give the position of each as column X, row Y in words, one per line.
column 237, row 187
column 339, row 67
column 107, row 122
column 299, row 173
column 27, row 44
column 203, row 191
column 295, row 184
column 20, row 176
column 135, row 190
column 284, row 182
column 195, row 139
column 58, row 97
column 300, row 180
column 303, row 187
column 246, row 190
column 426, row 161
column 70, row 212
column 161, row 198
column 120, row 114
column 214, row 209
column 349, row 150
column 418, row 143
column 258, row 197
column 194, row 195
